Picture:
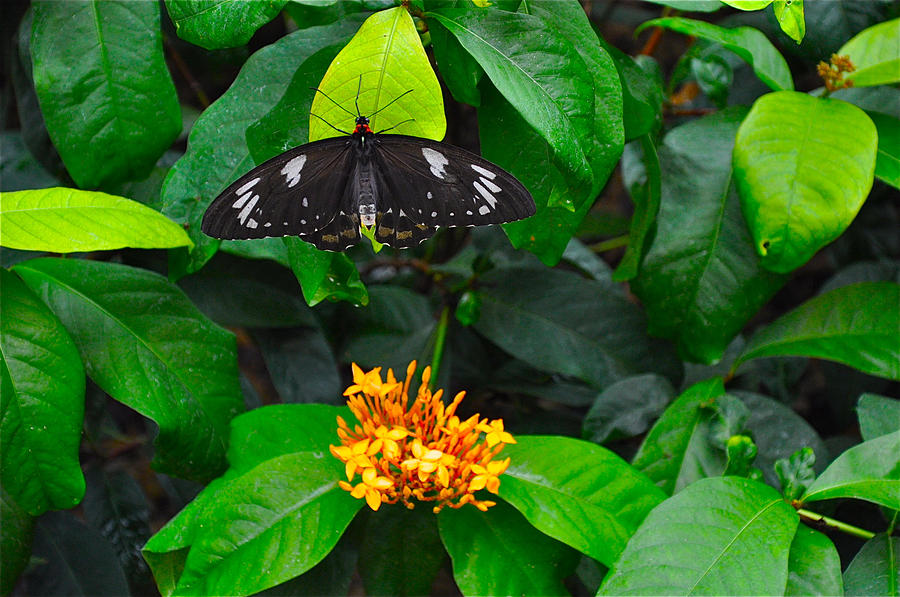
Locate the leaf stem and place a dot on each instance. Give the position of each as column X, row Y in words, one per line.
column 609, row 244
column 439, row 346
column 834, row 524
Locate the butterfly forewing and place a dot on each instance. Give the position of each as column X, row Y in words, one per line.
column 296, row 193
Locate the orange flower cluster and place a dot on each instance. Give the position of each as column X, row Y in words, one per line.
column 423, row 451
column 833, row 74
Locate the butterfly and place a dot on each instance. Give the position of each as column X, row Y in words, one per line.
column 405, row 187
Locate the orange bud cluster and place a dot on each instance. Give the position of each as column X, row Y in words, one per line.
column 833, row 73
column 416, row 452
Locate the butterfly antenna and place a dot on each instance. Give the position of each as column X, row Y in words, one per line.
column 389, row 103
column 333, row 102
column 329, row 124
column 358, row 89
column 395, row 126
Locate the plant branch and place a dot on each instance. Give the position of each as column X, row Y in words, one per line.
column 820, row 519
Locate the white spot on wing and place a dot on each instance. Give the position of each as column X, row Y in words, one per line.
column 493, row 188
column 483, row 171
column 245, row 213
column 292, row 170
column 434, row 214
column 429, row 195
column 484, row 210
column 301, row 221
column 247, row 186
column 492, row 201
column 267, row 224
column 305, row 203
column 436, row 161
column 251, row 223
column 241, row 201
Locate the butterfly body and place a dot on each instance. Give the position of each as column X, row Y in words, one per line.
column 406, row 187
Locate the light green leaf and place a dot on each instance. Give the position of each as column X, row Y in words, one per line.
column 105, row 93
column 789, row 14
column 720, row 536
column 748, row 43
column 577, row 492
column 217, row 24
column 524, row 59
column 61, row 220
column 803, row 166
column 856, row 325
column 878, row 415
column 814, row 567
column 147, row 346
column 874, row 569
column 388, row 56
column 747, row 4
column 887, row 164
column 868, row 471
column 41, row 403
column 875, row 52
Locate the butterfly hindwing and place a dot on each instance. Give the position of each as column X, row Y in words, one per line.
column 426, row 184
column 300, row 192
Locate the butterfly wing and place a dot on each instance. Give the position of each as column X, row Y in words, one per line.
column 303, row 192
column 425, row 184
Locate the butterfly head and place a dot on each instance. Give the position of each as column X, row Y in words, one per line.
column 362, row 126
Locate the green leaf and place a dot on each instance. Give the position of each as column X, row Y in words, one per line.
column 748, row 43
column 789, row 14
column 878, row 415
column 676, row 453
column 642, row 92
column 325, row 275
column 217, row 151
column 583, row 328
column 273, row 523
column 720, row 536
column 401, row 552
column 869, row 471
column 887, row 164
column 747, row 4
column 18, row 168
column 814, row 567
column 42, row 395
column 577, row 492
column 873, row 570
column 459, row 70
column 383, row 60
column 148, row 347
column 627, row 408
column 60, row 220
column 833, row 326
column 498, row 553
column 691, row 5
column 803, row 167
column 796, row 473
column 15, row 541
column 537, row 70
column 107, row 98
column 875, row 54
column 217, row 24
column 701, row 280
column 301, row 365
column 646, row 198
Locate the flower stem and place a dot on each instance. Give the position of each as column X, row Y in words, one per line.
column 439, row 341
column 835, row 524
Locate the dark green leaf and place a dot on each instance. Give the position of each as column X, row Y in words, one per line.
column 323, row 275
column 873, row 570
column 646, row 198
column 15, row 541
column 459, row 70
column 887, row 164
column 642, row 91
column 701, row 279
column 301, row 365
column 42, row 395
column 869, row 471
column 796, row 474
column 584, row 328
column 18, row 168
column 878, row 415
column 217, row 24
column 814, row 567
column 721, row 536
column 72, row 559
column 748, row 43
column 832, row 326
column 401, row 552
column 676, row 452
column 498, row 553
column 147, row 346
column 217, row 150
column 577, row 492
column 627, row 408
column 107, row 98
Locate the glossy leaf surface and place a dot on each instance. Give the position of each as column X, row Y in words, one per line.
column 60, row 220
column 147, row 346
column 720, row 536
column 875, row 54
column 814, row 567
column 42, row 381
column 217, row 24
column 803, row 167
column 887, row 164
column 105, row 92
column 874, row 570
column 878, row 415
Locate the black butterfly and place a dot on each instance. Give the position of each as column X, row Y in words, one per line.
column 407, row 187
